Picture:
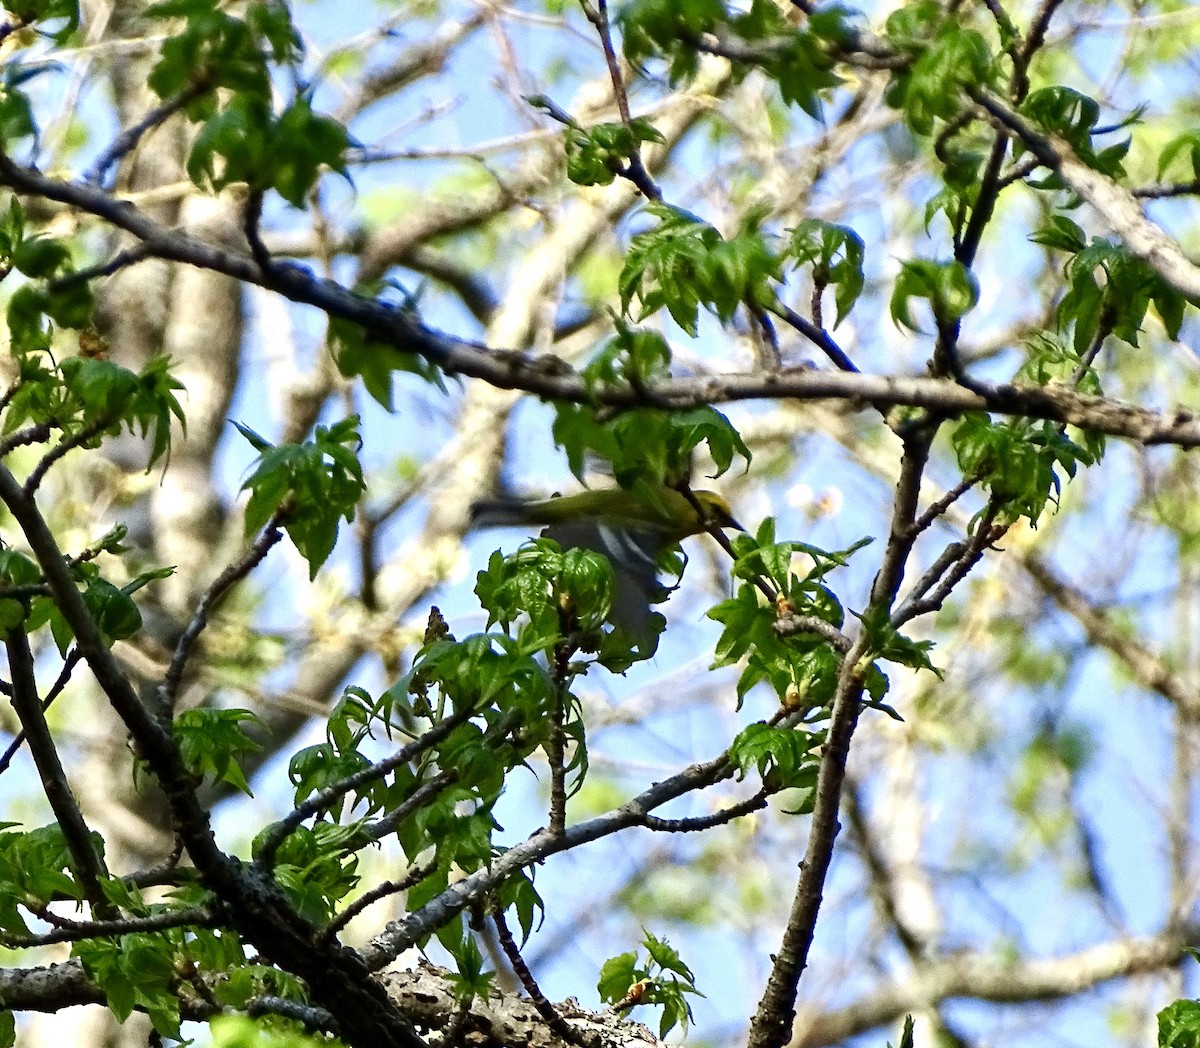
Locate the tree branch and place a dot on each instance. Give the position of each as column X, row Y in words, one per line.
column 552, row 379
column 86, row 861
column 985, row 977
column 1117, row 207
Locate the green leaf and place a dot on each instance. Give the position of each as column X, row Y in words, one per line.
column 651, row 28
column 519, row 893
column 35, row 868
column 617, row 975
column 16, row 569
column 662, row 264
column 633, row 357
column 803, row 68
column 1062, row 234
column 113, row 610
column 596, row 155
column 946, row 55
column 39, row 257
column 375, row 362
column 1188, row 142
column 16, row 113
column 215, row 49
column 321, row 480
column 213, row 741
column 472, row 979
column 836, row 256
column 135, row 971
column 783, row 757
column 624, row 983
column 106, row 398
column 666, row 956
column 245, row 142
column 1179, row 1025
column 1073, row 116
column 949, row 287
column 304, row 142
column 1019, row 460
column 316, row 870
column 683, row 263
column 323, row 764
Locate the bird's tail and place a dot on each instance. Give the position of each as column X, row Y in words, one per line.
column 502, row 511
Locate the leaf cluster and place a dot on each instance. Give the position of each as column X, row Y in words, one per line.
column 662, row 979
column 1019, row 460
column 946, row 54
column 1109, row 290
column 222, row 63
column 836, row 254
column 29, row 607
column 800, row 61
column 1074, row 117
column 683, row 263
column 596, row 155
column 312, row 486
column 802, row 669
column 35, row 870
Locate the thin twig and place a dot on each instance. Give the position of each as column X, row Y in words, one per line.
column 1170, row 189
column 708, row 822
column 164, row 873
column 545, row 1009
column 986, row 535
column 322, row 799
column 64, row 675
column 122, row 259
column 22, row 437
column 635, row 170
column 85, row 860
column 941, row 505
column 66, row 930
column 419, row 798
column 769, row 342
column 949, row 556
column 556, row 743
column 67, row 444
column 381, row 891
column 125, row 142
column 251, row 219
column 818, row 336
column 401, row 934
column 790, row 624
column 168, row 690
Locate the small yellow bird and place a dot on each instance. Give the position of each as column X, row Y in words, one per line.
column 630, row 528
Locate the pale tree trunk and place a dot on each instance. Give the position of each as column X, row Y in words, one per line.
column 194, row 317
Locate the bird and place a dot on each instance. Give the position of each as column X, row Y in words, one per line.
column 631, row 527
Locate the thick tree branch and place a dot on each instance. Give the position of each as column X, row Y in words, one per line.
column 772, row 1023
column 985, row 977
column 1146, row 667
column 400, row 935
column 552, row 379
column 1117, row 207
